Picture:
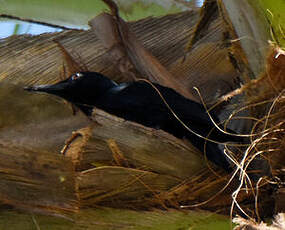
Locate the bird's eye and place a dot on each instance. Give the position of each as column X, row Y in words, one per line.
column 76, row 76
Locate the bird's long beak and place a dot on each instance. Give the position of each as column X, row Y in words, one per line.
column 52, row 89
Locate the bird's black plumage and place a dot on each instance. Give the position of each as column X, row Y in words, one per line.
column 141, row 103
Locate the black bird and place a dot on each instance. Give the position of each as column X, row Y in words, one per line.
column 140, row 102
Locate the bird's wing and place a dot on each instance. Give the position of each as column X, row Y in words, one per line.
column 140, row 102
column 134, row 102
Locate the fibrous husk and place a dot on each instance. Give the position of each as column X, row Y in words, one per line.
column 266, row 97
column 245, row 224
column 265, row 101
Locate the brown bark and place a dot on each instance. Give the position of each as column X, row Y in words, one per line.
column 139, row 147
column 37, row 181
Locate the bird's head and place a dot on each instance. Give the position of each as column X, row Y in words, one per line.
column 79, row 88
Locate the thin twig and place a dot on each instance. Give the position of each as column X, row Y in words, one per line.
column 36, row 223
column 35, row 22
